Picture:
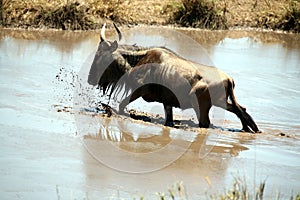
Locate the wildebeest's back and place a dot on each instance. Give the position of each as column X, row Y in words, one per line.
column 161, row 76
column 172, row 63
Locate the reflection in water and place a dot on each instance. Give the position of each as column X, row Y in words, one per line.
column 139, row 137
column 118, row 146
column 71, row 40
column 37, row 141
column 206, row 38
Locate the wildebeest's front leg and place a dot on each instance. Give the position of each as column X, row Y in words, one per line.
column 204, row 121
column 240, row 111
column 204, row 104
column 168, row 115
column 128, row 100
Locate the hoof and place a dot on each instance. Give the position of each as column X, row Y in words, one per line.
column 170, row 124
column 246, row 129
column 204, row 125
column 140, row 117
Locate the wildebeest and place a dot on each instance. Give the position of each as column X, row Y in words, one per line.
column 159, row 74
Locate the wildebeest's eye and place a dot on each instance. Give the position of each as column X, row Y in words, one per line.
column 104, row 46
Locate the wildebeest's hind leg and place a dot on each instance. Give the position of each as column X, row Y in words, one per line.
column 168, row 115
column 240, row 111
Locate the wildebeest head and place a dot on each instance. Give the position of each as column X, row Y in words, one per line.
column 108, row 65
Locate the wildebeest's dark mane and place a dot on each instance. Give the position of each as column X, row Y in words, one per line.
column 128, row 57
column 132, row 47
column 133, row 53
column 132, row 57
column 137, row 48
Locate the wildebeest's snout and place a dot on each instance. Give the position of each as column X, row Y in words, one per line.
column 92, row 80
column 93, row 77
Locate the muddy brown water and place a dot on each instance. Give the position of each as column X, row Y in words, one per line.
column 50, row 151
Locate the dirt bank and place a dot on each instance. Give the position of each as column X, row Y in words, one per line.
column 90, row 14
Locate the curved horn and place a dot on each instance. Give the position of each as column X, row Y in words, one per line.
column 102, row 34
column 119, row 32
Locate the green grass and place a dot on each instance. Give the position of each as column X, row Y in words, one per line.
column 239, row 190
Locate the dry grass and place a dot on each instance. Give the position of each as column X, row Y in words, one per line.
column 80, row 14
column 211, row 14
column 221, row 14
column 59, row 14
column 200, row 14
column 270, row 14
column 283, row 15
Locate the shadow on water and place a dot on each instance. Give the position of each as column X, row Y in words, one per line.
column 36, row 140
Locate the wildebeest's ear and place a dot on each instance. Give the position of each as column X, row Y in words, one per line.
column 114, row 46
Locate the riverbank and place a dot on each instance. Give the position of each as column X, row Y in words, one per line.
column 90, row 14
column 44, row 157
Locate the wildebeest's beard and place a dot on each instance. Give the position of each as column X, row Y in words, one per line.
column 111, row 75
column 123, row 61
column 108, row 67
